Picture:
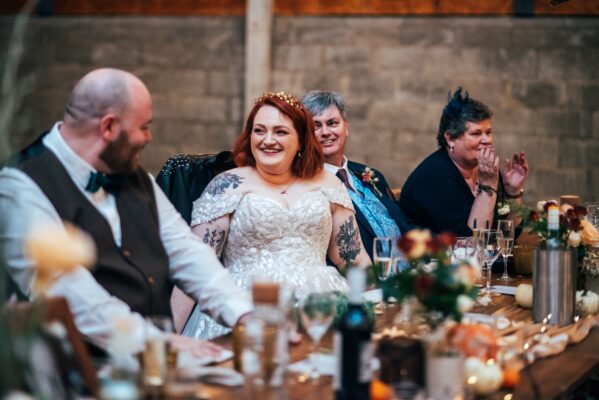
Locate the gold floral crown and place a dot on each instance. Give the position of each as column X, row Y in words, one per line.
column 287, row 98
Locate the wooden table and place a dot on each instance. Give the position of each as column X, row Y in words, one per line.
column 556, row 376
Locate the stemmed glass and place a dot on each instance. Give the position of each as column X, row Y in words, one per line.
column 506, row 227
column 384, row 252
column 317, row 311
column 480, row 225
column 386, row 255
column 492, row 239
column 592, row 213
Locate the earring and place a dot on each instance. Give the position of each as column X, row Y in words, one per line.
column 299, row 154
column 451, row 149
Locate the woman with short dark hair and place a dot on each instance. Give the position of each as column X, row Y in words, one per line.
column 461, row 180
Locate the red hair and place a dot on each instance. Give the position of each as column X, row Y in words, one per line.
column 311, row 160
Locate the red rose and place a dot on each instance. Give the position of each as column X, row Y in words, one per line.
column 549, row 204
column 405, row 244
column 423, row 284
column 580, row 211
column 533, row 216
column 574, row 224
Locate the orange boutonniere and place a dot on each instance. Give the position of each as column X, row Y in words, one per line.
column 369, row 177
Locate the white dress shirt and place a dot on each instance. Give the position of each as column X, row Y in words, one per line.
column 333, row 170
column 194, row 266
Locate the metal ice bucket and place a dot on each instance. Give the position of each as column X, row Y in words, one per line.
column 554, row 286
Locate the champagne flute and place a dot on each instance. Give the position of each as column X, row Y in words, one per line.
column 385, row 254
column 492, row 239
column 480, row 225
column 506, row 227
column 317, row 311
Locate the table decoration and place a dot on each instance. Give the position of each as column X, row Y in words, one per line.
column 24, row 338
column 524, row 295
column 444, row 289
column 564, row 235
column 587, row 303
column 435, row 292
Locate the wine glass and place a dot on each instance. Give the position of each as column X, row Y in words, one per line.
column 480, row 225
column 384, row 252
column 592, row 213
column 492, row 239
column 506, row 226
column 386, row 255
column 316, row 311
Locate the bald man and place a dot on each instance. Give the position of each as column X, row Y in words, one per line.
column 86, row 171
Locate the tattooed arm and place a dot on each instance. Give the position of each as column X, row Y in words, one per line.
column 214, row 234
column 345, row 246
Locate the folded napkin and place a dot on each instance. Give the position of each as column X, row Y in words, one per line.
column 374, row 295
column 190, row 367
column 325, row 364
column 554, row 345
column 556, row 339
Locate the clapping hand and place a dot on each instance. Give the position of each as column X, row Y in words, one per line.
column 488, row 167
column 515, row 173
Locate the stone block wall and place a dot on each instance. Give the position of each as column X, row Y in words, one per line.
column 192, row 66
column 539, row 75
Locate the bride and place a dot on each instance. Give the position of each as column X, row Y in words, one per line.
column 279, row 214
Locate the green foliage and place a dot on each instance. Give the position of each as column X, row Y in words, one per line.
column 367, row 306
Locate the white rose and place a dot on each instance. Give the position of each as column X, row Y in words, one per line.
column 504, row 209
column 464, row 303
column 540, row 205
column 574, row 239
column 587, row 304
column 55, row 249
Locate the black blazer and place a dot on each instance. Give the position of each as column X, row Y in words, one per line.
column 184, row 177
column 366, row 231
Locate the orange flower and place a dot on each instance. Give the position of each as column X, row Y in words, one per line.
column 380, row 391
column 415, row 243
column 588, row 233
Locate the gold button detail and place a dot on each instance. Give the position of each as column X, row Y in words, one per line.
column 151, row 280
column 126, row 253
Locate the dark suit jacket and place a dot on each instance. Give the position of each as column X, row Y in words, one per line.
column 366, row 231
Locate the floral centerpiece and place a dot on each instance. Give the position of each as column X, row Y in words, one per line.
column 574, row 230
column 54, row 250
column 440, row 286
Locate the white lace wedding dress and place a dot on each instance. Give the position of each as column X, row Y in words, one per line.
column 288, row 246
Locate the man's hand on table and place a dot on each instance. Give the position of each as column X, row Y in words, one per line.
column 196, row 347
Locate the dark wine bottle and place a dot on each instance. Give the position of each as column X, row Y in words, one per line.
column 353, row 345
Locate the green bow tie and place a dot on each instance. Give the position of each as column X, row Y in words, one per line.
column 111, row 183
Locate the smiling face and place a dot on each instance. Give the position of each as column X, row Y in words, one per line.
column 468, row 145
column 274, row 140
column 331, row 131
column 122, row 155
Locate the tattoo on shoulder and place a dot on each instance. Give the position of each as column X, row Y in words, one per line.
column 348, row 241
column 214, row 239
column 222, row 182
